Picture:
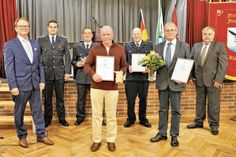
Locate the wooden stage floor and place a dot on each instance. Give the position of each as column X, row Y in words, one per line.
column 131, row 142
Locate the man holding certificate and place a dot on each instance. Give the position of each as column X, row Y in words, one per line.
column 169, row 91
column 211, row 62
column 137, row 78
column 82, row 81
column 102, row 62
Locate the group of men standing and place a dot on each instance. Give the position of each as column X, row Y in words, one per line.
column 32, row 66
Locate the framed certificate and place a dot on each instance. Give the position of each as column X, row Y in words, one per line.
column 182, row 70
column 135, row 58
column 105, row 67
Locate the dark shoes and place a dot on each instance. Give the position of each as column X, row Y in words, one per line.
column 78, row 122
column 214, row 131
column 128, row 123
column 23, row 143
column 146, row 124
column 111, row 146
column 174, row 141
column 158, row 138
column 47, row 124
column 45, row 140
column 194, row 125
column 64, row 123
column 104, row 123
column 95, row 146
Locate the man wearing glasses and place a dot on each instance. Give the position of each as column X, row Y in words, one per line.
column 169, row 91
column 26, row 80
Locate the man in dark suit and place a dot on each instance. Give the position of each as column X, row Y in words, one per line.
column 26, row 79
column 169, row 91
column 57, row 66
column 211, row 62
column 82, row 80
column 136, row 82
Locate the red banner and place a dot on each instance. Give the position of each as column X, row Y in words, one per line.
column 222, row 16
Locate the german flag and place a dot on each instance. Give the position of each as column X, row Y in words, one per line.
column 142, row 26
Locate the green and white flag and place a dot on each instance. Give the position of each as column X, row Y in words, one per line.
column 160, row 27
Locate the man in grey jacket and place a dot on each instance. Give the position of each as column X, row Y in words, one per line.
column 211, row 62
column 169, row 90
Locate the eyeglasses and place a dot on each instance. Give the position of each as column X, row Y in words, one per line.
column 23, row 26
column 170, row 30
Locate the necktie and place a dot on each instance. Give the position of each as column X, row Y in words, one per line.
column 168, row 54
column 203, row 55
column 87, row 46
column 137, row 44
column 53, row 42
column 29, row 51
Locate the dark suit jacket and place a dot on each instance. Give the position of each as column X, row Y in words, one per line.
column 164, row 73
column 21, row 73
column 215, row 65
column 56, row 62
column 130, row 48
column 79, row 53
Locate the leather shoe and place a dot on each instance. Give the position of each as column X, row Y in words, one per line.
column 95, row 146
column 45, row 140
column 78, row 122
column 111, row 146
column 158, row 138
column 146, row 124
column 194, row 125
column 104, row 123
column 128, row 124
column 47, row 124
column 214, row 131
column 174, row 141
column 64, row 123
column 23, row 143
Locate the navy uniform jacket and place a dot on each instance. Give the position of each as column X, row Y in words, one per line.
column 80, row 52
column 130, row 48
column 57, row 61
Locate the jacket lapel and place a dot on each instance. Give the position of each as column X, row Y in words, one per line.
column 48, row 42
column 34, row 49
column 209, row 51
column 161, row 53
column 20, row 46
column 133, row 45
column 177, row 48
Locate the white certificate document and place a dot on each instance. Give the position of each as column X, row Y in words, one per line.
column 135, row 58
column 105, row 67
column 182, row 70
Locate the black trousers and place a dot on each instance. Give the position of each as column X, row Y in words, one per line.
column 48, row 93
column 134, row 89
column 81, row 96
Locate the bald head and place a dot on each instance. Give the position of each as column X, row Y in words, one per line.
column 137, row 34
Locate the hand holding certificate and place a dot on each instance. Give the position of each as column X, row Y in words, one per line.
column 136, row 58
column 182, row 70
column 105, row 67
